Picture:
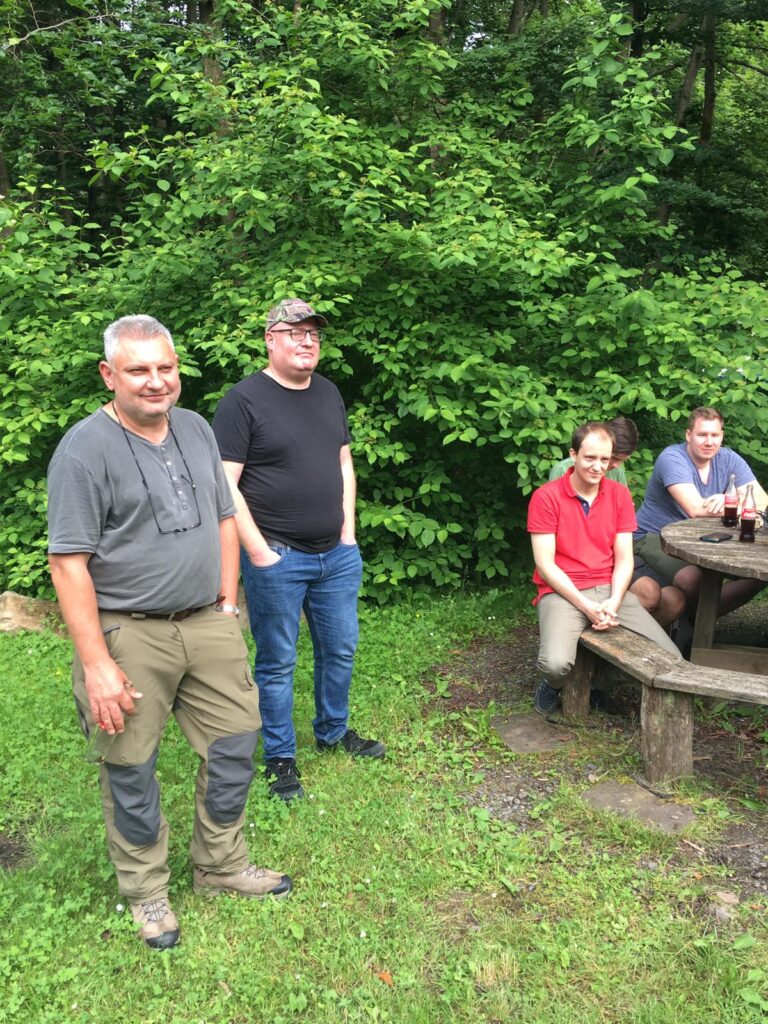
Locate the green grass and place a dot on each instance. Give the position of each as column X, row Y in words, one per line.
column 397, row 878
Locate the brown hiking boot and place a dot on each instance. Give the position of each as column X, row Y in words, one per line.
column 256, row 883
column 159, row 927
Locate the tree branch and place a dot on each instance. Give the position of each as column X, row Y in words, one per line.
column 746, row 64
column 51, row 28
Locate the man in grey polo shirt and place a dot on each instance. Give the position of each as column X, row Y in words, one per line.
column 143, row 552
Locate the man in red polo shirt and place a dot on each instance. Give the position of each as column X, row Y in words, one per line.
column 581, row 530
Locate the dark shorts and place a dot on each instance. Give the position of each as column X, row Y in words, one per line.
column 642, row 570
column 663, row 567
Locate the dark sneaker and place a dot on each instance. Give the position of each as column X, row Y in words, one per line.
column 355, row 745
column 252, row 882
column 159, row 927
column 283, row 777
column 546, row 698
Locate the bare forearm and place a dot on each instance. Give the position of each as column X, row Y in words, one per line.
column 562, row 584
column 110, row 693
column 761, row 498
column 250, row 536
column 77, row 601
column 620, row 581
column 348, row 498
column 230, row 560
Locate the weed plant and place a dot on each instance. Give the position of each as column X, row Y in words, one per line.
column 410, row 906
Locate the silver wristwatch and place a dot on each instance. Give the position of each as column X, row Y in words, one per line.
column 231, row 609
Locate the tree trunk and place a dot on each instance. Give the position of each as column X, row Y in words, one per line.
column 683, row 103
column 710, row 67
column 638, row 14
column 436, row 29
column 686, row 90
column 5, row 180
column 517, row 18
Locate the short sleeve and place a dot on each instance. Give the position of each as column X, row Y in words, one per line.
column 543, row 516
column 742, row 469
column 77, row 507
column 673, row 467
column 232, row 427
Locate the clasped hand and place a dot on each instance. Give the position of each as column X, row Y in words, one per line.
column 602, row 615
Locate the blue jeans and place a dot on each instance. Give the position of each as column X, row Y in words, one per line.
column 325, row 586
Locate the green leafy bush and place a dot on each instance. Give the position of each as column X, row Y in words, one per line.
column 491, row 281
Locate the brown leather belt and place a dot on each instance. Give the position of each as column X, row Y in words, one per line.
column 170, row 616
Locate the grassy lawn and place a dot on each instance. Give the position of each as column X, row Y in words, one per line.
column 409, row 904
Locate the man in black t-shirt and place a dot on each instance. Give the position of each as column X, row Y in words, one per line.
column 285, row 444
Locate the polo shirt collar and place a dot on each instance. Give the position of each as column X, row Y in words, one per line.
column 568, row 486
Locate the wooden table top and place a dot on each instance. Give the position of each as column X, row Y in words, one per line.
column 747, row 561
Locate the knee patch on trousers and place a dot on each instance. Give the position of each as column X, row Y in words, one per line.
column 230, row 770
column 553, row 669
column 136, row 798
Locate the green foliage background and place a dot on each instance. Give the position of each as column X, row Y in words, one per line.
column 484, row 241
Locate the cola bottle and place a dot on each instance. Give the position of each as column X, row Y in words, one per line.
column 731, row 506
column 748, row 516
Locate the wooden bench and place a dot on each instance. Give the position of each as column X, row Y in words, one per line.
column 669, row 686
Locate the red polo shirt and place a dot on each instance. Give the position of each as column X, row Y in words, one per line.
column 583, row 544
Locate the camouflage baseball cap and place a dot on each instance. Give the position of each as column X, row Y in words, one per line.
column 292, row 311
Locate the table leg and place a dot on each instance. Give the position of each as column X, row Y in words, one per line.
column 706, row 612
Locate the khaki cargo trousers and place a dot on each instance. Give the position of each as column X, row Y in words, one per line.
column 561, row 624
column 197, row 670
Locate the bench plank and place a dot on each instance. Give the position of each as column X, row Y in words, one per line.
column 714, row 682
column 630, row 652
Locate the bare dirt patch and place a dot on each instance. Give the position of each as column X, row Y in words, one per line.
column 13, row 850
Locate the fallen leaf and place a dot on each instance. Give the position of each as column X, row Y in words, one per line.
column 386, row 977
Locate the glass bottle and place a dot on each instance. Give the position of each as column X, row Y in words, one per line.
column 748, row 516
column 97, row 747
column 731, row 506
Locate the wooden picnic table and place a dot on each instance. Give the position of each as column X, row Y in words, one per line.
column 717, row 561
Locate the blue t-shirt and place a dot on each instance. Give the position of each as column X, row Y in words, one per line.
column 675, row 466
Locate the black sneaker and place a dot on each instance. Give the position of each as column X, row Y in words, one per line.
column 546, row 698
column 284, row 776
column 355, row 745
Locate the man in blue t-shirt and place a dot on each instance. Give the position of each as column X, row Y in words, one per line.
column 689, row 480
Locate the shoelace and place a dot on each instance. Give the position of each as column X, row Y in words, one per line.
column 155, row 910
column 253, row 872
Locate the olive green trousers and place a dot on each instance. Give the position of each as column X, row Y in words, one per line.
column 197, row 670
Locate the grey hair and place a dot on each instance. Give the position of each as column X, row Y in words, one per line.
column 138, row 327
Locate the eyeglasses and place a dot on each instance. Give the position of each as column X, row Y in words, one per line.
column 298, row 334
column 176, row 529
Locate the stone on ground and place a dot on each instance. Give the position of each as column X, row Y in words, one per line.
column 632, row 801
